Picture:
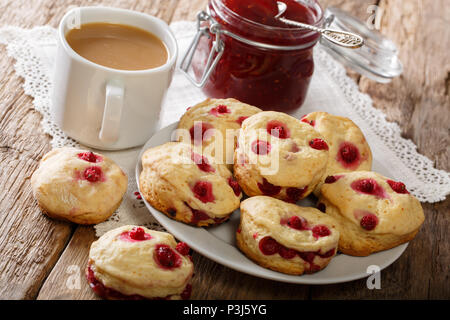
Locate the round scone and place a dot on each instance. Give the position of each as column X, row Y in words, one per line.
column 349, row 150
column 279, row 156
column 187, row 186
column 79, row 186
column 373, row 212
column 214, row 124
column 285, row 237
column 136, row 263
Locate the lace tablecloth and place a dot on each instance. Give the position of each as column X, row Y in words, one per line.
column 331, row 90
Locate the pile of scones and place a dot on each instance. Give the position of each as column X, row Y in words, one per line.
column 228, row 155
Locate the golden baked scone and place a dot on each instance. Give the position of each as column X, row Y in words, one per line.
column 285, row 237
column 187, row 186
column 135, row 263
column 279, row 156
column 349, row 150
column 214, row 124
column 373, row 212
column 78, row 185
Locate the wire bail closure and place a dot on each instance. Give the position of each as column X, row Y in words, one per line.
column 219, row 46
column 217, row 49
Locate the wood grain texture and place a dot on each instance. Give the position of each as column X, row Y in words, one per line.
column 30, row 243
column 419, row 99
column 67, row 280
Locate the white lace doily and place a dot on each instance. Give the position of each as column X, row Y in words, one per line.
column 331, row 90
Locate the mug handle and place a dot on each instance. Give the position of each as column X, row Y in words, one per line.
column 112, row 112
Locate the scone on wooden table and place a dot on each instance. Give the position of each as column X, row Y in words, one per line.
column 187, row 186
column 279, row 156
column 373, row 212
column 135, row 263
column 215, row 123
column 78, row 185
column 349, row 150
column 285, row 237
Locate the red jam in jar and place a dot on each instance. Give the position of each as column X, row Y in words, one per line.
column 275, row 78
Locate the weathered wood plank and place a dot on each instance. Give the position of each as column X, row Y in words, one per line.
column 29, row 242
column 67, row 280
column 419, row 100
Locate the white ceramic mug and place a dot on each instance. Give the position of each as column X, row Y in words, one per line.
column 107, row 108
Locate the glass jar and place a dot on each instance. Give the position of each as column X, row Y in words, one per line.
column 267, row 66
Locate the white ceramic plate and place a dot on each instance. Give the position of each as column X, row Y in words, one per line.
column 218, row 243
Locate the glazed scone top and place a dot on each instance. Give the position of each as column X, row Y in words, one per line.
column 216, row 115
column 174, row 163
column 268, row 216
column 61, row 182
column 130, row 265
column 365, row 193
column 290, row 160
column 342, row 136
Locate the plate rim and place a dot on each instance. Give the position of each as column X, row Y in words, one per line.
column 167, row 223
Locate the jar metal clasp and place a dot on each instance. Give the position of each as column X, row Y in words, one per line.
column 218, row 47
column 214, row 55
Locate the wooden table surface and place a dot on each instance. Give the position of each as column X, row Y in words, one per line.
column 44, row 259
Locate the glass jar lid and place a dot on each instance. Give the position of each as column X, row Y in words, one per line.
column 377, row 59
